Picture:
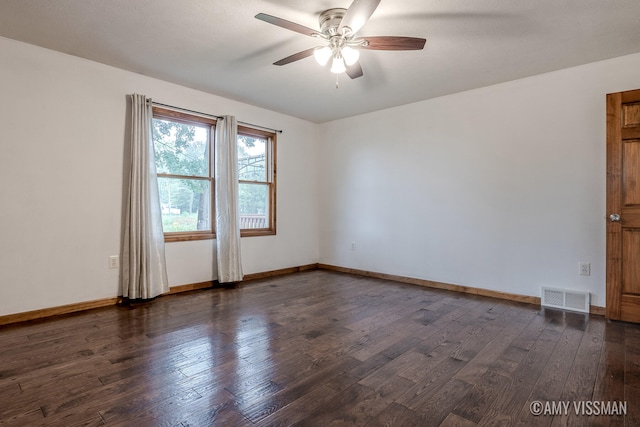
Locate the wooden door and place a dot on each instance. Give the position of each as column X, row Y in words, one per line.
column 623, row 206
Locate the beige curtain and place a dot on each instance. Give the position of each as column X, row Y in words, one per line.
column 227, row 218
column 143, row 271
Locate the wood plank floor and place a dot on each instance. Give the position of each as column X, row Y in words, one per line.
column 317, row 348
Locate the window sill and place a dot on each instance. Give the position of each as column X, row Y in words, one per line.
column 168, row 238
column 257, row 232
column 187, row 237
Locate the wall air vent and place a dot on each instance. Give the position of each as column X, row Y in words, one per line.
column 565, row 299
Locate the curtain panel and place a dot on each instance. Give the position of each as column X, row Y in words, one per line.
column 227, row 218
column 143, row 273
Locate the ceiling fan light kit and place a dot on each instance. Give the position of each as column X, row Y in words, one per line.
column 322, row 55
column 338, row 28
column 337, row 66
column 350, row 55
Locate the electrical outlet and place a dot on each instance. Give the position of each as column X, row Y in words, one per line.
column 584, row 268
column 114, row 261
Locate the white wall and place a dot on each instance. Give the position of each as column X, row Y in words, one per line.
column 500, row 188
column 62, row 128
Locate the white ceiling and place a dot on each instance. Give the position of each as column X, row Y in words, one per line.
column 219, row 47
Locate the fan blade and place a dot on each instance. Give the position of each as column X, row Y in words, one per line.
column 286, row 24
column 354, row 71
column 295, row 57
column 394, row 43
column 357, row 15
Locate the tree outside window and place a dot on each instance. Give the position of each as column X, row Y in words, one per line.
column 256, row 175
column 183, row 145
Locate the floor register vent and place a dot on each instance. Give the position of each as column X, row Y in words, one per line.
column 565, row 299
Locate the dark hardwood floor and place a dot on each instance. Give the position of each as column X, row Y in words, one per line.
column 317, row 349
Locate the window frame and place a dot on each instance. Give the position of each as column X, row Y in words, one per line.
column 191, row 119
column 270, row 164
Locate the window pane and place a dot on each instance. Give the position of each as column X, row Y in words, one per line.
column 251, row 158
column 181, row 149
column 254, row 205
column 185, row 204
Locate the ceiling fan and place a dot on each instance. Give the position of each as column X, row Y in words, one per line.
column 338, row 28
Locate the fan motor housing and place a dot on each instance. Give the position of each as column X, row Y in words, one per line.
column 330, row 20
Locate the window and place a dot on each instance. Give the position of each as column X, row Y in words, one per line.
column 257, row 177
column 184, row 153
column 183, row 150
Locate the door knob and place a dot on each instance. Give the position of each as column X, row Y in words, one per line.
column 614, row 217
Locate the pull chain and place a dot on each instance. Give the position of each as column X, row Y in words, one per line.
column 337, row 82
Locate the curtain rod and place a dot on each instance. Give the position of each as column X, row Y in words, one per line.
column 213, row 115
